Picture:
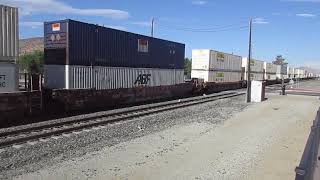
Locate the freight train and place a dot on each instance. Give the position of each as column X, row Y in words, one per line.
column 90, row 68
column 84, row 62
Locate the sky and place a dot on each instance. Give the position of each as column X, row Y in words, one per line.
column 290, row 28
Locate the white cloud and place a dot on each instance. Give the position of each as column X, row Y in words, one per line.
column 117, row 27
column 28, row 7
column 308, row 15
column 142, row 23
column 260, row 21
column 199, row 2
column 32, row 24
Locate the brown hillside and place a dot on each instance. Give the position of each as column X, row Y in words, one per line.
column 30, row 44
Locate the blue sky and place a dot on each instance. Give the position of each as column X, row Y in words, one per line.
column 287, row 27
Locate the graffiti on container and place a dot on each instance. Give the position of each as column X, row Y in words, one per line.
column 143, row 79
column 2, row 81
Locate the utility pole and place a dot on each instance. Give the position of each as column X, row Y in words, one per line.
column 152, row 27
column 249, row 64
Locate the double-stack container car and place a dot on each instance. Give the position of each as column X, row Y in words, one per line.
column 80, row 56
column 215, row 66
column 9, row 47
column 256, row 69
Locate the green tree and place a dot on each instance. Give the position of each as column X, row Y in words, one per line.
column 279, row 60
column 31, row 62
column 187, row 67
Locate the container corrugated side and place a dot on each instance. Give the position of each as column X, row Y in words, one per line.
column 9, row 34
column 270, row 68
column 98, row 77
column 257, row 69
column 225, row 61
column 256, row 65
column 89, row 44
column 200, row 59
column 216, row 76
column 270, row 71
column 204, row 59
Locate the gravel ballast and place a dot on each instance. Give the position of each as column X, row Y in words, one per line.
column 36, row 155
column 263, row 141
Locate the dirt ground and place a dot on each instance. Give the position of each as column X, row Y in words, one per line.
column 265, row 141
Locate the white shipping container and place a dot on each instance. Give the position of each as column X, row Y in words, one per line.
column 205, row 59
column 296, row 72
column 256, row 69
column 290, row 72
column 302, row 73
column 271, row 68
column 216, row 76
column 84, row 77
column 214, row 66
column 270, row 71
column 299, row 73
column 8, row 78
column 9, row 34
column 279, row 74
column 256, row 65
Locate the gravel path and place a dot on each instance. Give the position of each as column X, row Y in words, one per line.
column 48, row 153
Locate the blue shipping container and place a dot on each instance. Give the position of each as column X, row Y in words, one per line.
column 70, row 42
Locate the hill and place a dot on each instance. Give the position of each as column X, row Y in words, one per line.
column 30, row 44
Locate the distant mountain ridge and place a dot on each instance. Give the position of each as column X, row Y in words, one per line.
column 311, row 70
column 30, row 44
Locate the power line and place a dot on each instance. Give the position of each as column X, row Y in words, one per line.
column 202, row 29
column 207, row 30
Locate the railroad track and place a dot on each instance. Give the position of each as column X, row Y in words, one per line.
column 23, row 134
